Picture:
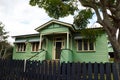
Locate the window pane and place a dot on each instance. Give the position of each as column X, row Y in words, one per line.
column 91, row 44
column 37, row 46
column 18, row 47
column 85, row 44
column 24, row 47
column 79, row 44
column 33, row 45
column 21, row 47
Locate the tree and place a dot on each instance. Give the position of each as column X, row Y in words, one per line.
column 106, row 11
column 3, row 33
column 5, row 47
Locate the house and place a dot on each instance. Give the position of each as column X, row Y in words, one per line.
column 58, row 40
column 110, row 52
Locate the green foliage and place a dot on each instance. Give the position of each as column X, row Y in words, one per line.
column 92, row 34
column 3, row 33
column 6, row 50
column 82, row 19
column 55, row 8
column 62, row 8
column 107, row 13
column 5, row 47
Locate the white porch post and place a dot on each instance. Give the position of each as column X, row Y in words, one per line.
column 67, row 40
column 40, row 47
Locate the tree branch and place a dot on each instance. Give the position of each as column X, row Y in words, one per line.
column 118, row 4
column 99, row 19
column 112, row 37
column 119, row 36
column 94, row 5
column 86, row 3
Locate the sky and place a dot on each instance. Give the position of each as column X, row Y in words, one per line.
column 20, row 18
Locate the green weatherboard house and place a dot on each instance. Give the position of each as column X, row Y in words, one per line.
column 58, row 40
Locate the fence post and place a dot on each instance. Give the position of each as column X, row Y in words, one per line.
column 63, row 72
column 24, row 65
column 102, row 71
column 84, row 71
column 58, row 71
column 115, row 74
column 78, row 70
column 95, row 71
column 54, row 70
column 68, row 71
column 118, row 69
column 73, row 71
column 50, row 70
column 108, row 71
column 89, row 71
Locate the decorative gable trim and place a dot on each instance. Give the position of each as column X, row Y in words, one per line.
column 55, row 21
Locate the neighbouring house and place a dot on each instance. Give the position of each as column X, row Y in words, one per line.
column 58, row 40
column 110, row 52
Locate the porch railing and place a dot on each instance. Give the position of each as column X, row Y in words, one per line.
column 36, row 54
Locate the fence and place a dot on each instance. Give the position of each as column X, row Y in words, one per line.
column 52, row 70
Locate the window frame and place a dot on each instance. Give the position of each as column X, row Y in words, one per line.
column 88, row 46
column 20, row 47
column 35, row 47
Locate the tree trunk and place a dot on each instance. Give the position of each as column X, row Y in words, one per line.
column 117, row 61
column 1, row 52
column 116, row 56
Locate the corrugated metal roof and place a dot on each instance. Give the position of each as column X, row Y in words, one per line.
column 26, row 40
column 20, row 41
column 34, row 40
column 27, row 35
column 79, row 37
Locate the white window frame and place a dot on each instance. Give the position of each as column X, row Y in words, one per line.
column 87, row 45
column 20, row 47
column 36, row 46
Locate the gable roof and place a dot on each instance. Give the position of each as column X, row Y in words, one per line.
column 57, row 22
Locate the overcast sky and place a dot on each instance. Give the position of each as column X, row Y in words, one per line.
column 20, row 18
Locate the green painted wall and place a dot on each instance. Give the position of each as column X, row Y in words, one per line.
column 54, row 29
column 28, row 52
column 26, row 56
column 49, row 47
column 110, row 49
column 66, row 55
column 99, row 55
column 48, row 33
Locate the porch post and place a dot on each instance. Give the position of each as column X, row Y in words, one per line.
column 40, row 47
column 67, row 40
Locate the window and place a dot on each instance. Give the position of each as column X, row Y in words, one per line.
column 21, row 47
column 35, row 46
column 85, row 45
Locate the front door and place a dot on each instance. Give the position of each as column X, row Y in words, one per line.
column 59, row 43
column 58, row 50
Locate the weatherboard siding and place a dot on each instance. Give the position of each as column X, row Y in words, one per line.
column 99, row 55
column 56, row 29
column 49, row 33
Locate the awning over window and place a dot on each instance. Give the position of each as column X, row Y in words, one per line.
column 20, row 41
column 26, row 40
column 34, row 40
column 79, row 37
